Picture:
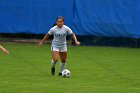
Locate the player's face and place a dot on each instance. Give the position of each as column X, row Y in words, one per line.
column 60, row 23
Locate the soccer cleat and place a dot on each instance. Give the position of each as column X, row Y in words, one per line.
column 53, row 71
column 60, row 74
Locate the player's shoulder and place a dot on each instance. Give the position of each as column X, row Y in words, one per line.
column 54, row 27
column 66, row 27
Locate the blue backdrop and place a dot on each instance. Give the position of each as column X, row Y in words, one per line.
column 33, row 16
column 112, row 18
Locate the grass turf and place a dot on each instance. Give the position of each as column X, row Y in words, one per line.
column 93, row 70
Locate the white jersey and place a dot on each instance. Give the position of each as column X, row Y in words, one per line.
column 59, row 34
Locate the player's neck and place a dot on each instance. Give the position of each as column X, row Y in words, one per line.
column 60, row 26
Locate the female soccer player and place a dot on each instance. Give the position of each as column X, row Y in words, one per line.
column 4, row 50
column 59, row 46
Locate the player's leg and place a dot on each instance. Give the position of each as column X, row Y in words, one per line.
column 63, row 57
column 4, row 49
column 55, row 55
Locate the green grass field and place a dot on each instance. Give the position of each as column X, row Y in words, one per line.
column 93, row 70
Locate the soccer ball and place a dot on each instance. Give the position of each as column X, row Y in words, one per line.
column 66, row 73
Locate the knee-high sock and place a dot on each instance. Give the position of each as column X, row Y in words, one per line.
column 53, row 64
column 62, row 66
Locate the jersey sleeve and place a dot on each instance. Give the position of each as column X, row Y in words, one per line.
column 69, row 30
column 50, row 31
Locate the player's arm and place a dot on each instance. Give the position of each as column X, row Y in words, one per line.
column 44, row 39
column 4, row 50
column 75, row 39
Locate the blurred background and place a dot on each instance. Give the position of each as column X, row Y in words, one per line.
column 95, row 22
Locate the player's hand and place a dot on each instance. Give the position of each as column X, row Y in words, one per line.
column 77, row 43
column 40, row 44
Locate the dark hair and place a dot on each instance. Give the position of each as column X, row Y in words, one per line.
column 60, row 17
column 54, row 24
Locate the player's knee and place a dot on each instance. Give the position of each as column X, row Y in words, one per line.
column 55, row 60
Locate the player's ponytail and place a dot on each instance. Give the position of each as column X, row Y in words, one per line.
column 54, row 24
